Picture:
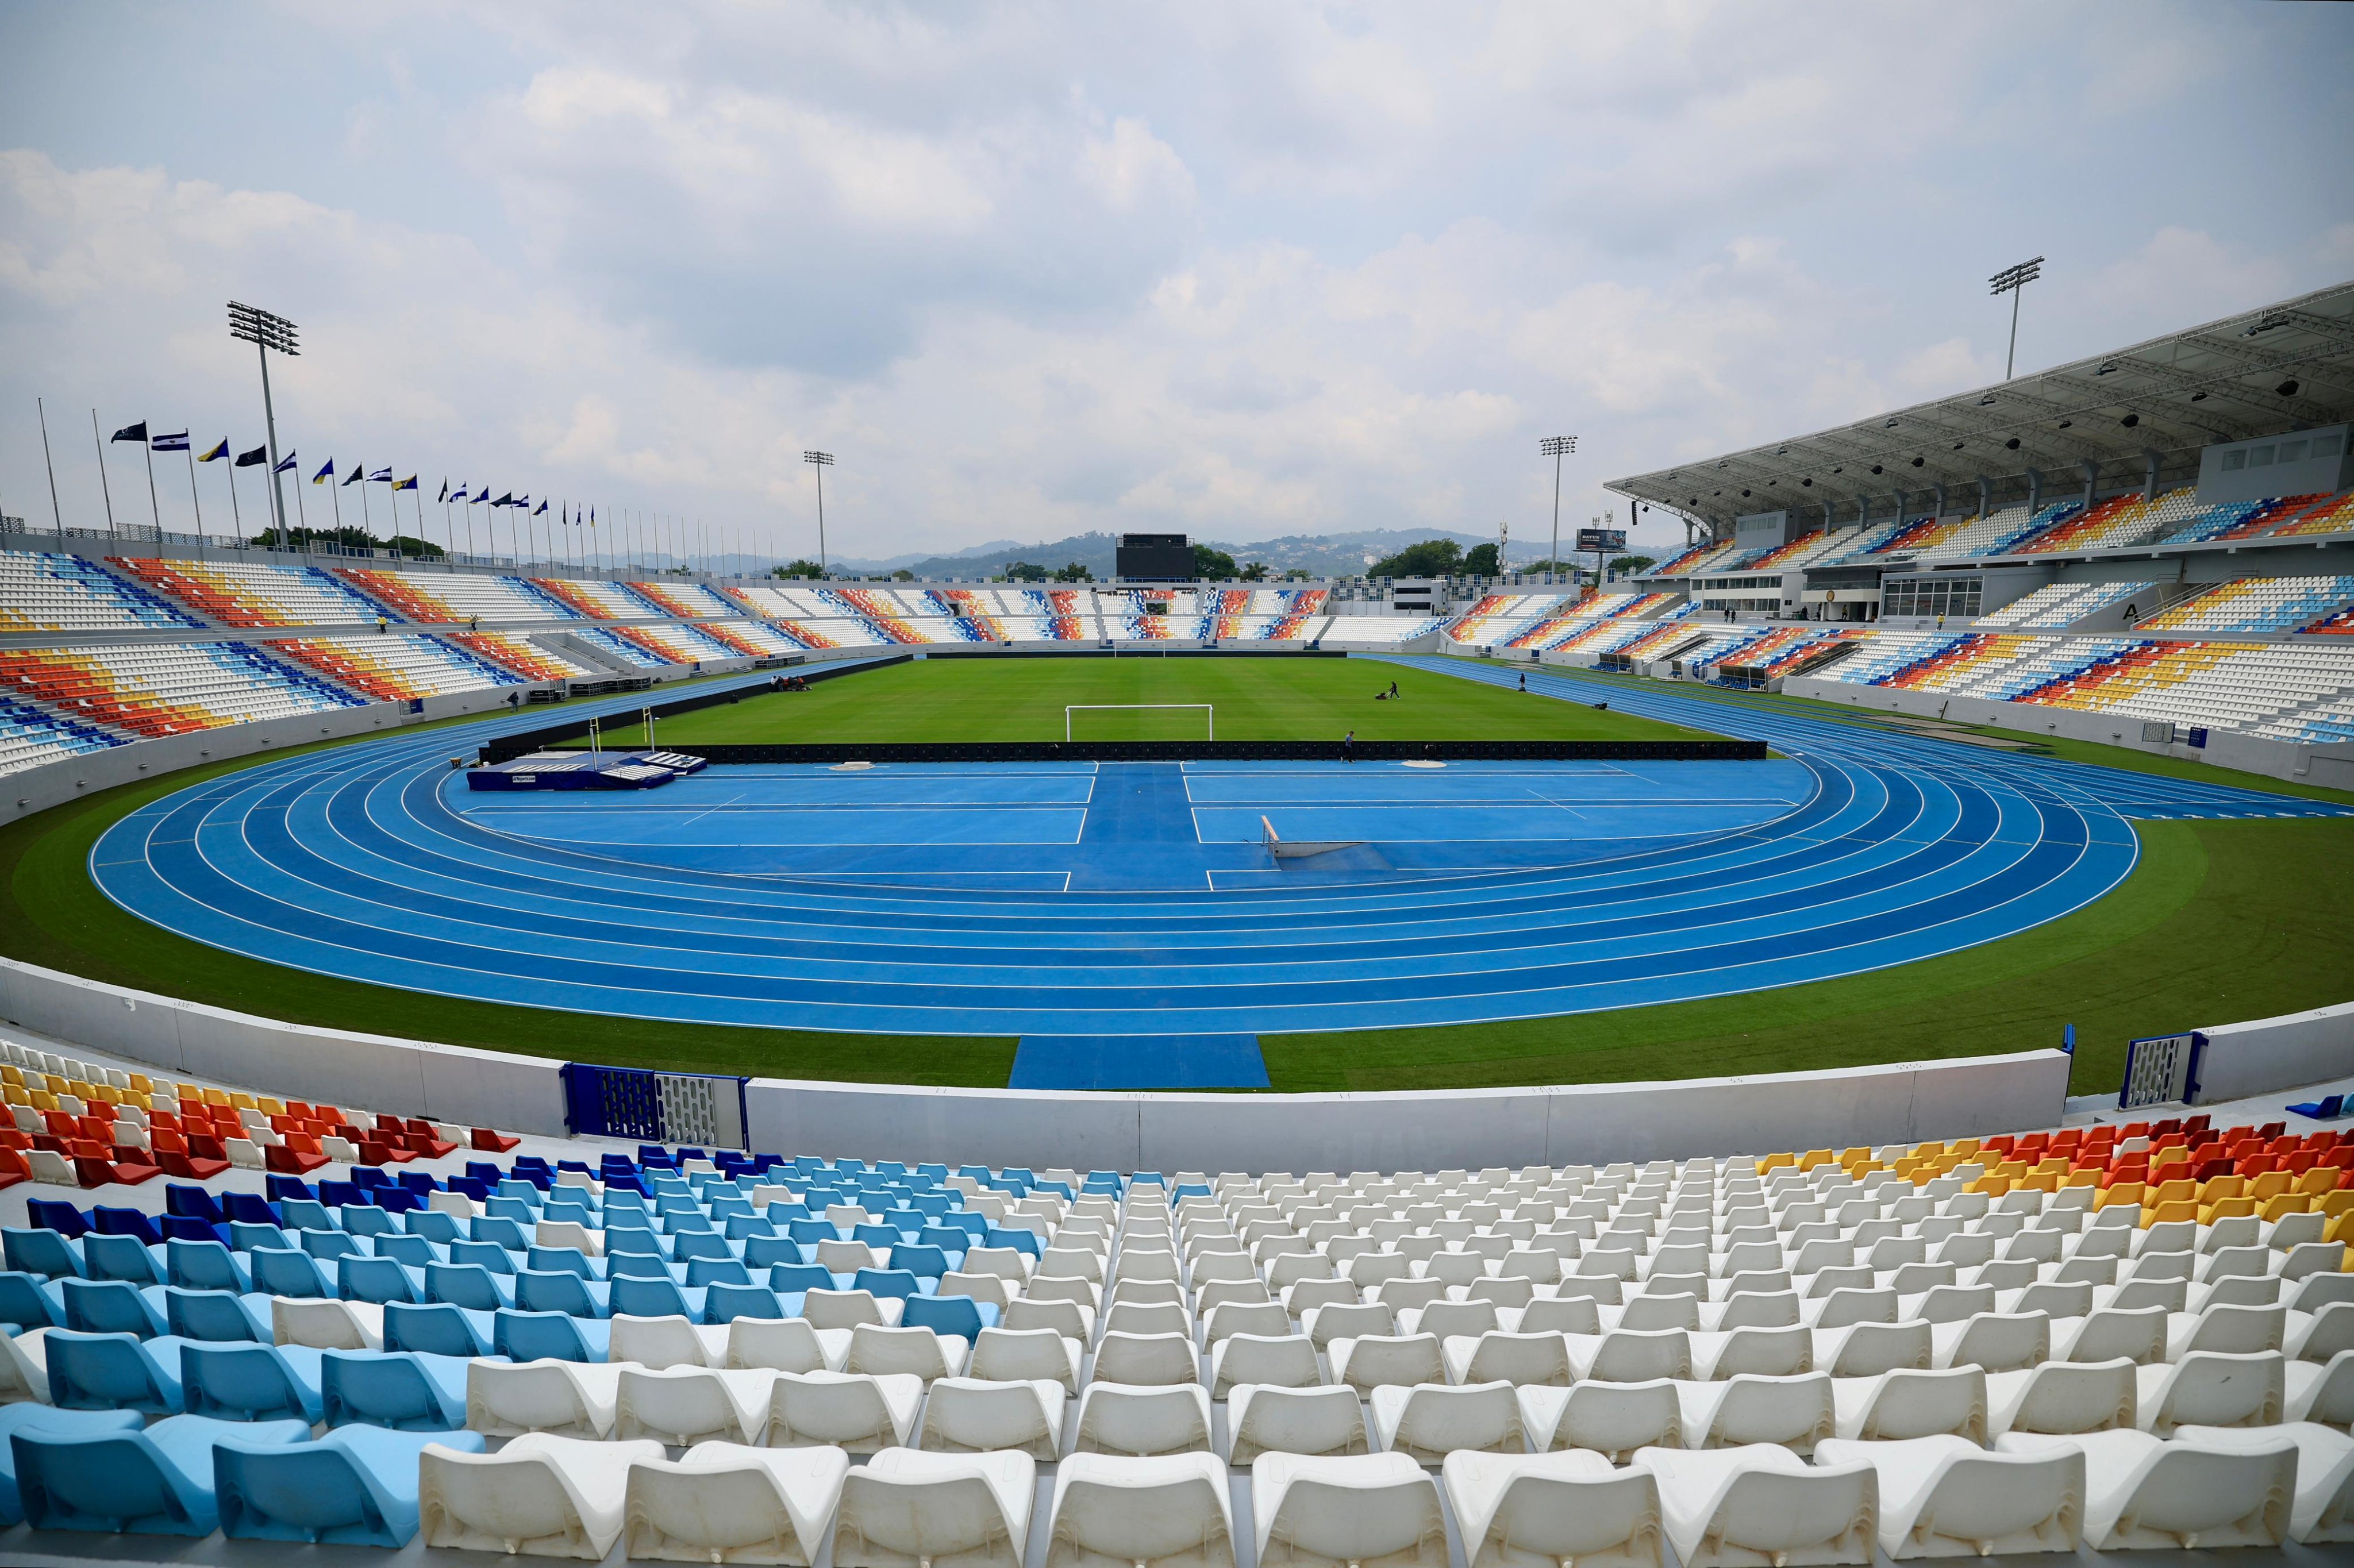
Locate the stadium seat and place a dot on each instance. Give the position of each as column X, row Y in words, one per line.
column 1945, row 1496
column 1167, row 1511
column 357, row 1486
column 1333, row 1512
column 559, row 1497
column 1517, row 1510
column 1115, row 1418
column 734, row 1503
column 159, row 1481
column 1762, row 1499
column 2145, row 1492
column 905, row 1506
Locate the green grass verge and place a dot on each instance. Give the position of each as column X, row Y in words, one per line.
column 2219, row 920
column 1274, row 698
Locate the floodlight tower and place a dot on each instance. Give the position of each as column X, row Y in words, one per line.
column 266, row 331
column 1556, row 448
column 821, row 462
column 2010, row 280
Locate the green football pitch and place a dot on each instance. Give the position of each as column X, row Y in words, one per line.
column 1274, row 698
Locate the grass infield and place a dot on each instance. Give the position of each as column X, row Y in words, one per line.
column 2219, row 920
column 1275, row 698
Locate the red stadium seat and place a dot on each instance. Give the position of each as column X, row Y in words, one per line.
column 492, row 1142
column 287, row 1159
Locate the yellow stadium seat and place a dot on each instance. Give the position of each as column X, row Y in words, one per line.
column 2338, row 1203
column 2320, row 1180
column 242, row 1101
column 142, row 1085
column 273, row 1107
column 2165, row 1157
column 1776, row 1163
column 2123, row 1192
column 2041, row 1180
column 215, row 1096
column 1964, row 1147
column 2226, row 1209
column 44, row 1101
column 2175, row 1209
column 1812, row 1157
column 2090, row 1176
column 9, row 1074
column 2284, row 1204
column 2271, row 1184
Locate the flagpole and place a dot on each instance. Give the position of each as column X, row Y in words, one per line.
column 104, row 488
column 237, row 519
column 56, row 514
column 194, row 499
column 339, row 501
column 154, row 508
column 301, row 513
column 367, row 523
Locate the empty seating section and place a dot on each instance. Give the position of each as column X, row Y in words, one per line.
column 239, row 593
column 518, row 654
column 1499, row 617
column 596, row 600
column 2258, row 605
column 41, row 591
column 1798, row 552
column 2056, row 605
column 146, row 690
column 1354, row 631
column 393, row 668
column 2109, row 525
column 2334, row 515
column 2136, row 1336
column 1785, row 650
column 616, row 641
column 1954, row 664
column 1697, row 558
column 30, row 736
column 433, row 597
column 690, row 601
column 2223, row 685
column 679, row 644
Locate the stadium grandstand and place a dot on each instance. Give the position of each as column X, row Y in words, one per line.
column 362, row 1184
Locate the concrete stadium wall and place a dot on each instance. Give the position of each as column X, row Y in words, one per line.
column 2266, row 1055
column 1568, row 1124
column 2329, row 765
column 293, row 1061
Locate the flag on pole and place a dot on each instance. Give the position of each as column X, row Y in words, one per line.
column 445, row 494
column 287, row 464
column 326, row 471
column 506, row 500
column 220, row 450
column 257, row 456
column 381, row 476
column 137, row 432
column 408, row 483
column 543, row 509
column 359, row 473
column 178, row 443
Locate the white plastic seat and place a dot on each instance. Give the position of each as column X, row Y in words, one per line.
column 2138, row 1333
column 2144, row 1492
column 1992, row 1340
column 1500, row 1356
column 1613, row 1419
column 2229, row 1328
column 905, row 1508
column 1115, row 1512
column 1731, row 1506
column 2212, row 1388
column 1907, row 1404
column 849, row 1308
column 1261, row 1420
column 2062, row 1397
column 2318, row 1336
column 1540, row 1510
column 1146, row 1360
column 785, row 1344
column 670, row 1341
column 1287, row 1360
column 564, row 1399
column 1072, row 1319
column 1118, row 1418
column 878, row 1351
column 1373, row 1360
column 1430, row 1421
column 2323, row 1508
column 1367, row 1510
column 2322, row 1393
column 1769, row 1352
column 859, row 1413
column 324, row 1325
column 974, row 1415
column 726, row 1502
column 1024, row 1355
column 1946, row 1497
column 540, row 1496
column 1796, row 1412
column 680, row 1406
column 1631, row 1355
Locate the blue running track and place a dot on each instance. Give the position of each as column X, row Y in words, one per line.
column 1128, row 900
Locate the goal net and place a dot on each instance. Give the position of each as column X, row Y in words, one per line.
column 1140, row 727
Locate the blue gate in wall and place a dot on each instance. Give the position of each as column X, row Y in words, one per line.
column 704, row 1110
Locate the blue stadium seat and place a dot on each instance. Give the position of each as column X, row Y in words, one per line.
column 46, row 1419
column 356, row 1486
column 253, row 1383
column 406, row 1391
column 155, row 1482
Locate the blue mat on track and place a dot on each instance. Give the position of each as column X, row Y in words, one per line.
column 1138, row 1061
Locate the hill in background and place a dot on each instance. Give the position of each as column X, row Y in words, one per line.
column 1319, row 555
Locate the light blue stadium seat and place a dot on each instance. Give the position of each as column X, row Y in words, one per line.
column 504, row 1231
column 48, row 1418
column 111, row 1306
column 367, row 1220
column 205, row 1265
column 41, row 1252
column 468, row 1285
column 725, row 1303
column 949, row 1314
column 546, row 1336
column 284, row 1271
column 487, row 1255
column 768, row 1251
column 434, row 1224
column 437, row 1329
column 30, row 1300
column 306, row 1214
column 405, row 1392
column 122, row 1257
column 354, row 1487
column 244, row 1236
column 556, row 1291
column 329, row 1246
column 657, row 1299
column 377, row 1279
column 251, row 1382
column 565, row 1259
column 410, row 1252
column 1021, row 1241
column 114, row 1372
column 889, row 1282
column 155, row 1482
column 924, row 1260
column 717, row 1271
column 217, row 1317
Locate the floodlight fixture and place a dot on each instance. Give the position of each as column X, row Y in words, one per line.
column 1555, row 447
column 2010, row 280
column 269, row 333
column 820, row 461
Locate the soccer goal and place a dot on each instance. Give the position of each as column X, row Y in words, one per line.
column 1071, row 710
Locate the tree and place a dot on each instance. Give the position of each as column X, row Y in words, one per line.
column 1025, row 572
column 415, row 548
column 1481, row 562
column 809, row 569
column 1213, row 564
column 1076, row 572
column 903, row 576
column 1431, row 558
column 1298, row 575
column 1255, row 573
column 1628, row 566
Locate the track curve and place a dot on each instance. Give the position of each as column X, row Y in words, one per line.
column 349, row 861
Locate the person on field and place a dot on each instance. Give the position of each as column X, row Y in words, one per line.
column 1349, row 747
column 1525, row 680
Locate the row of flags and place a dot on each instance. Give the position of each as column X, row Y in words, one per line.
column 179, row 442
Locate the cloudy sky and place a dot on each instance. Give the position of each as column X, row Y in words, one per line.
column 1030, row 269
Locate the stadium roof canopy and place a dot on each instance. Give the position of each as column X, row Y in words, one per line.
column 2284, row 367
